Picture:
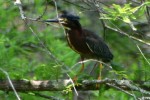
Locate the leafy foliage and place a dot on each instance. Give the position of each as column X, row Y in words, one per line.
column 25, row 55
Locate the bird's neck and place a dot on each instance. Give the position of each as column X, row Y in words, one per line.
column 76, row 28
column 77, row 31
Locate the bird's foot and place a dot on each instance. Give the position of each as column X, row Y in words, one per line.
column 75, row 78
column 98, row 85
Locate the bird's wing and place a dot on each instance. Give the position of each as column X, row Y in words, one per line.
column 97, row 45
column 94, row 46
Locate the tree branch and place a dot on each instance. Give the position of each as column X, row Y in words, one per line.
column 59, row 85
column 125, row 34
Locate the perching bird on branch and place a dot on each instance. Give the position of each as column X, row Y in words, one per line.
column 83, row 41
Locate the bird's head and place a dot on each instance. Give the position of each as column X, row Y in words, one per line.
column 67, row 20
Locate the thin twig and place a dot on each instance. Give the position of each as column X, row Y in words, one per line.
column 43, row 11
column 19, row 4
column 142, row 54
column 11, row 84
column 47, row 50
column 73, row 84
column 124, row 33
column 88, row 60
column 118, row 88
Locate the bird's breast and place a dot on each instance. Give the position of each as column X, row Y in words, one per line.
column 76, row 41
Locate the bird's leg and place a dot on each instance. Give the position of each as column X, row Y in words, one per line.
column 100, row 74
column 82, row 68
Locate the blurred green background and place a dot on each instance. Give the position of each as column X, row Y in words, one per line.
column 25, row 55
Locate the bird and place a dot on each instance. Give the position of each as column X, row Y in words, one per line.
column 83, row 41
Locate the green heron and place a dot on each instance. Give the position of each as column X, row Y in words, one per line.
column 83, row 41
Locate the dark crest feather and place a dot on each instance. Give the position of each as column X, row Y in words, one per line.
column 69, row 16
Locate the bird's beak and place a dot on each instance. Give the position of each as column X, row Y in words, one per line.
column 58, row 20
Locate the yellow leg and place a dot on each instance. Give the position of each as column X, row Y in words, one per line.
column 100, row 74
column 81, row 70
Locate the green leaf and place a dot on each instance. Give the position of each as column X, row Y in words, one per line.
column 126, row 19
